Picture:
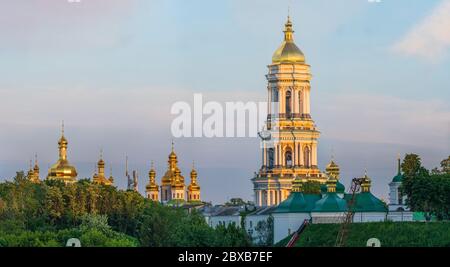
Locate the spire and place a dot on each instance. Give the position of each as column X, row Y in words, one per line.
column 193, row 174
column 111, row 178
column 126, row 165
column 152, row 174
column 36, row 165
column 31, row 165
column 399, row 164
column 172, row 158
column 62, row 144
column 288, row 31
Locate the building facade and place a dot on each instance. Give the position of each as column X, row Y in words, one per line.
column 100, row 177
column 173, row 189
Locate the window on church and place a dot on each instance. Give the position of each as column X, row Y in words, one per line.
column 288, row 157
column 300, row 103
column 271, row 157
column 288, row 103
column 400, row 198
column 307, row 157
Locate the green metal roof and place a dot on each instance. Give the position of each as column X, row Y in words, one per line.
column 330, row 203
column 297, row 202
column 340, row 188
column 367, row 202
column 398, row 178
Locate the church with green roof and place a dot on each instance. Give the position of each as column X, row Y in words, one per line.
column 330, row 206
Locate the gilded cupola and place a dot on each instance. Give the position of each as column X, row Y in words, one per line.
column 152, row 188
column 173, row 174
column 332, row 169
column 100, row 177
column 288, row 52
column 152, row 185
column 366, row 183
column 194, row 188
column 62, row 170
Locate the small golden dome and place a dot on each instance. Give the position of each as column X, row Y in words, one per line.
column 62, row 170
column 332, row 165
column 101, row 163
column 62, row 140
column 172, row 155
column 288, row 52
column 193, row 173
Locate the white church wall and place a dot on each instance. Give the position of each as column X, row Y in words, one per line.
column 214, row 221
column 362, row 217
column 287, row 223
column 327, row 217
column 400, row 216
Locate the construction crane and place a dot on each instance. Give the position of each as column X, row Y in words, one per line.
column 348, row 215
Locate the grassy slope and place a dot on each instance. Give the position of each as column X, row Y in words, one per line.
column 409, row 234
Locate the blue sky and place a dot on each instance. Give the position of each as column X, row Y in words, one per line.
column 112, row 69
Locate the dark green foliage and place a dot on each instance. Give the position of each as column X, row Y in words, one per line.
column 160, row 226
column 406, row 234
column 311, row 187
column 264, row 229
column 425, row 192
column 49, row 213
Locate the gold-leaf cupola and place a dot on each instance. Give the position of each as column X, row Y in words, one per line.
column 332, row 169
column 100, row 177
column 152, row 188
column 62, row 170
column 288, row 52
column 194, row 188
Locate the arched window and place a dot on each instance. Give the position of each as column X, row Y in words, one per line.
column 307, row 157
column 288, row 103
column 400, row 198
column 271, row 157
column 288, row 158
column 300, row 103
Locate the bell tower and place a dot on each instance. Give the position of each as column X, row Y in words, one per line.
column 289, row 142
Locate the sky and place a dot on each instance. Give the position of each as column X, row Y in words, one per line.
column 111, row 69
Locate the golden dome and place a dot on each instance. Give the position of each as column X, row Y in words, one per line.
column 62, row 140
column 288, row 52
column 62, row 170
column 172, row 155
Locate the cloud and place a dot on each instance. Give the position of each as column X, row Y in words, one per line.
column 430, row 38
column 385, row 119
